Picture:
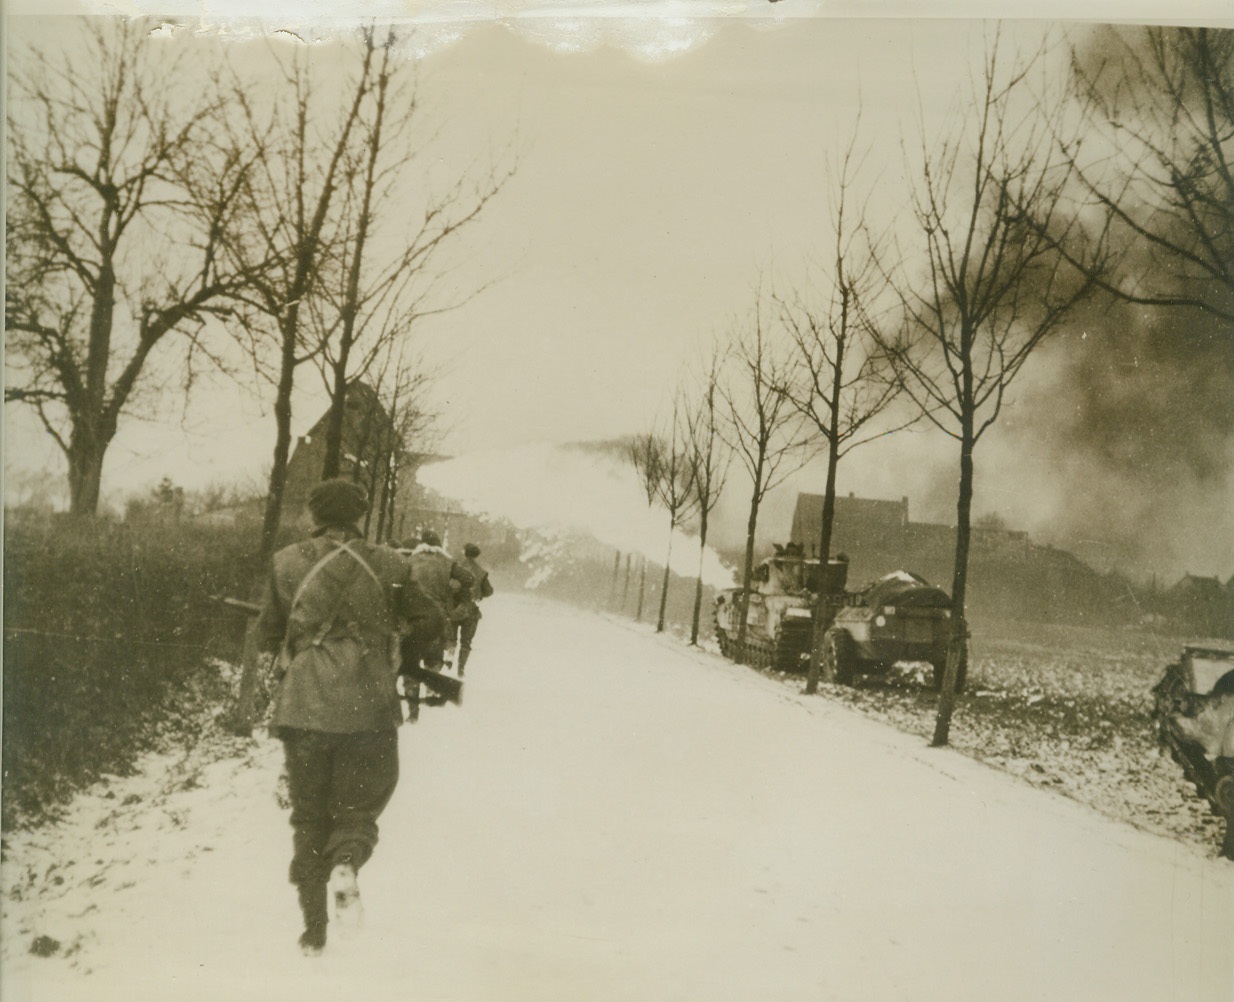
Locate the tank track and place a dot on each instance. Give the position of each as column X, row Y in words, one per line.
column 793, row 645
column 786, row 651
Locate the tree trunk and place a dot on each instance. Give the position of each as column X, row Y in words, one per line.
column 245, row 712
column 698, row 584
column 668, row 559
column 85, row 458
column 642, row 589
column 821, row 608
column 351, row 296
column 384, row 504
column 625, row 588
column 332, row 461
column 746, row 579
column 374, row 498
column 612, row 588
column 278, row 480
column 392, row 530
column 957, row 654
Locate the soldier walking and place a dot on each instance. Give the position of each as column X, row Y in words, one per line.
column 333, row 608
column 443, row 580
column 468, row 611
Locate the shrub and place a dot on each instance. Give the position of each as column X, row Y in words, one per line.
column 108, row 643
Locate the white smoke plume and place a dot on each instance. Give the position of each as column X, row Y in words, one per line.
column 552, row 488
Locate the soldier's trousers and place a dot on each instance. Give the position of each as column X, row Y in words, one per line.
column 338, row 784
column 466, row 634
column 467, row 631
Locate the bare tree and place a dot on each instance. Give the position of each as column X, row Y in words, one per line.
column 840, row 383
column 1157, row 165
column 675, row 489
column 993, row 290
column 117, row 198
column 286, row 223
column 407, row 418
column 757, row 426
column 283, row 231
column 709, row 460
column 366, row 299
column 646, row 454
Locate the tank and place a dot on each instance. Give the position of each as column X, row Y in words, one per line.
column 780, row 618
column 899, row 617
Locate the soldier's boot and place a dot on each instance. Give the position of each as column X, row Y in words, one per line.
column 463, row 654
column 312, row 896
column 348, row 909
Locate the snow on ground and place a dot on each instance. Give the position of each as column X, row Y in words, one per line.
column 614, row 816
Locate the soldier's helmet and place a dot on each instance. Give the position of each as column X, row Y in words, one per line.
column 337, row 502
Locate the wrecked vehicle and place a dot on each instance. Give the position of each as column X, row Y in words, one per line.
column 899, row 617
column 1194, row 714
column 780, row 616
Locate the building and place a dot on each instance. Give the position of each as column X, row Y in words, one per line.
column 860, row 518
column 1200, row 605
column 1008, row 575
column 370, row 443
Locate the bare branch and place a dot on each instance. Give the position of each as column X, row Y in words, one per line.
column 96, row 173
column 1155, row 169
column 991, row 222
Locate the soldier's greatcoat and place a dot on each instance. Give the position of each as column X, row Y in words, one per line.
column 333, row 608
column 441, row 577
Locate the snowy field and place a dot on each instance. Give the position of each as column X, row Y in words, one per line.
column 612, row 816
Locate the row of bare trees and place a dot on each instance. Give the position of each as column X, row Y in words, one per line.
column 282, row 211
column 1036, row 199
column 171, row 205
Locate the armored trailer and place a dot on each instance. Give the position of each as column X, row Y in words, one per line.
column 899, row 617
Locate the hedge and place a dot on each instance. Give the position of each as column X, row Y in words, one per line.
column 111, row 643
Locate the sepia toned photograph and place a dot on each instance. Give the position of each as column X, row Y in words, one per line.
column 631, row 501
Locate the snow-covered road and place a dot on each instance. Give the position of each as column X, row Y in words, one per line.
column 612, row 816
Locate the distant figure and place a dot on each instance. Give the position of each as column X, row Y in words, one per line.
column 467, row 612
column 443, row 580
column 333, row 607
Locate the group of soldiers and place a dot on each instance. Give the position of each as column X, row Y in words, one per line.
column 345, row 616
column 457, row 587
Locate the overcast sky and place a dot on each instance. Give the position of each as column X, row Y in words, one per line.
column 651, row 197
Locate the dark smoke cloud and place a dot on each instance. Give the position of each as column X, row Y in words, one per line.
column 1116, row 441
column 1136, row 405
column 1116, row 444
column 1108, row 55
column 1135, row 409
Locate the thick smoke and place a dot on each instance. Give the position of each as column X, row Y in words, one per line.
column 1116, row 443
column 1117, row 440
column 1135, row 405
column 1135, row 409
column 585, row 489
